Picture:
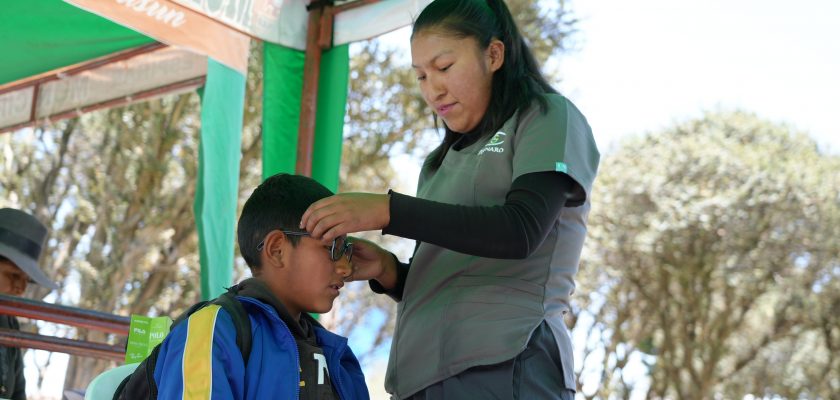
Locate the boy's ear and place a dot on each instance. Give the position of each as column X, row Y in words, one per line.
column 273, row 248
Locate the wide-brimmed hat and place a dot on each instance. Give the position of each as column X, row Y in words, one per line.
column 22, row 238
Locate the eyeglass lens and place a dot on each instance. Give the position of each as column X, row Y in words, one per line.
column 344, row 247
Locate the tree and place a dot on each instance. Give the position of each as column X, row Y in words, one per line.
column 712, row 265
column 113, row 200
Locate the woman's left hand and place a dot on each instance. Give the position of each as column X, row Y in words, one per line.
column 345, row 213
column 372, row 262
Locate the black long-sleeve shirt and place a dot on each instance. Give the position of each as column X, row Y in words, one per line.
column 512, row 230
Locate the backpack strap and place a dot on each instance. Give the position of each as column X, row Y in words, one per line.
column 186, row 314
column 241, row 321
column 120, row 392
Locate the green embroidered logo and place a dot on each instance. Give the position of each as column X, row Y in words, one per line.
column 493, row 144
column 497, row 139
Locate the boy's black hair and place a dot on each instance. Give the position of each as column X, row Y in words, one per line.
column 517, row 84
column 277, row 203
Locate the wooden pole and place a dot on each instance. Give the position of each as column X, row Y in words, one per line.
column 318, row 38
column 309, row 98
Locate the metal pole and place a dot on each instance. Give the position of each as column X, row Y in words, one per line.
column 80, row 317
column 15, row 338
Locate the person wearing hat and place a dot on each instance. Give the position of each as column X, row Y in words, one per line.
column 22, row 238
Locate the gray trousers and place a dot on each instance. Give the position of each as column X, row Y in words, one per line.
column 535, row 374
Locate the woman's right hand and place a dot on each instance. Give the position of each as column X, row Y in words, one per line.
column 372, row 262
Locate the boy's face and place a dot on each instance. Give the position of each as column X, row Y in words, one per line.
column 309, row 280
column 13, row 280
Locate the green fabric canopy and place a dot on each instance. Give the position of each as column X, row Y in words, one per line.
column 38, row 36
column 222, row 102
column 283, row 86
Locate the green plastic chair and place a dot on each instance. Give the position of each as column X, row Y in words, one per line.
column 105, row 384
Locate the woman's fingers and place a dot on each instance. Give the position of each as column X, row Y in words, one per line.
column 314, row 211
column 334, row 231
column 345, row 213
column 367, row 259
column 334, row 223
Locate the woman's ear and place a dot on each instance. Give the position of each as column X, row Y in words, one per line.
column 495, row 54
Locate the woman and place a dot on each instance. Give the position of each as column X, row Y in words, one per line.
column 499, row 218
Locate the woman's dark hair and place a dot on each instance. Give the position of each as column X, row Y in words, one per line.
column 517, row 84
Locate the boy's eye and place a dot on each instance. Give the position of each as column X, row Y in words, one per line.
column 421, row 78
column 443, row 69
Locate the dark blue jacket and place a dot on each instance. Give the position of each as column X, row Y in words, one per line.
column 202, row 352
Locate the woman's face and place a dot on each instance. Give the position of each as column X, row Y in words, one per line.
column 455, row 76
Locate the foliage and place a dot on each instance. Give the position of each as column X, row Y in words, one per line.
column 119, row 207
column 712, row 265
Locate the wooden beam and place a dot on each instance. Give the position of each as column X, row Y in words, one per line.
column 353, row 4
column 59, row 73
column 172, row 87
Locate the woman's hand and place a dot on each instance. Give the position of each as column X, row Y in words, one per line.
column 345, row 213
column 372, row 262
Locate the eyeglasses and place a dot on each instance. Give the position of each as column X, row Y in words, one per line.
column 337, row 249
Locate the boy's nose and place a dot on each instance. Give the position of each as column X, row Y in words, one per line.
column 344, row 267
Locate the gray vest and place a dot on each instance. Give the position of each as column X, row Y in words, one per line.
column 460, row 311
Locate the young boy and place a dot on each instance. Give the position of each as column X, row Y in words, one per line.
column 292, row 356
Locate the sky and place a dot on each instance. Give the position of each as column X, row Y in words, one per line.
column 640, row 66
